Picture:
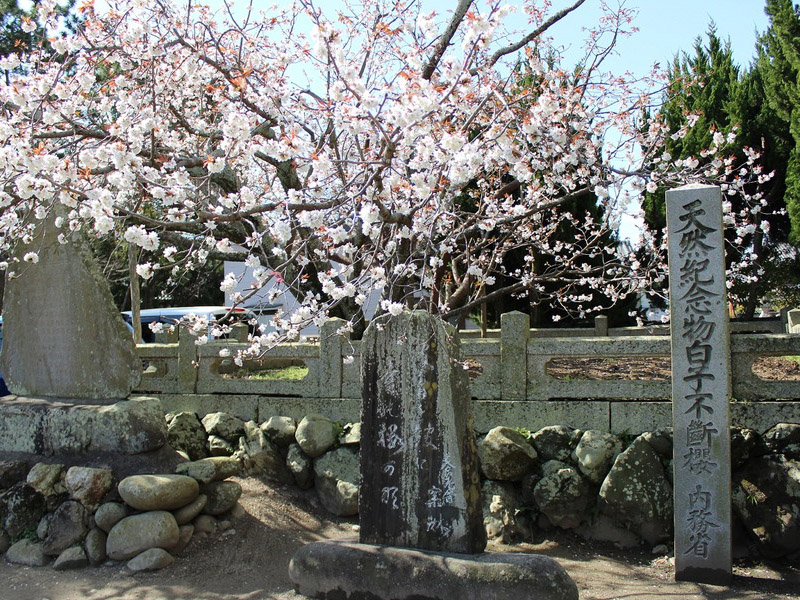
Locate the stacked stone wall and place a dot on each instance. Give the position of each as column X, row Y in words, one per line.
column 601, row 486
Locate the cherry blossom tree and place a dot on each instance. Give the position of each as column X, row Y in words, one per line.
column 376, row 148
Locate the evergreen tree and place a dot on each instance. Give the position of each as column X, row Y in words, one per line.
column 19, row 30
column 734, row 107
column 779, row 64
column 701, row 86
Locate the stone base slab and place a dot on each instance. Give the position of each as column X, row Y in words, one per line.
column 48, row 426
column 345, row 570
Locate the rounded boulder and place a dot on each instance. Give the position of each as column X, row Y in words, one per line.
column 316, row 435
column 137, row 533
column 337, row 476
column 506, row 455
column 222, row 496
column 158, row 492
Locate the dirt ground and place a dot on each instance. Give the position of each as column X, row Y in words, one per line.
column 249, row 562
column 775, row 368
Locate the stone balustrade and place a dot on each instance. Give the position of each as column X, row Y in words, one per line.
column 510, row 382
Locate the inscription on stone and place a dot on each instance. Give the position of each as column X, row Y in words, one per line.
column 420, row 486
column 700, row 385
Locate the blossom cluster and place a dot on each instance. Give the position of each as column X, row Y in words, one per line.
column 340, row 155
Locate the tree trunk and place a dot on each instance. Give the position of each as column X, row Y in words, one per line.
column 136, row 304
column 753, row 295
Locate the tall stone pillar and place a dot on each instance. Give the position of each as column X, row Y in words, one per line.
column 700, row 385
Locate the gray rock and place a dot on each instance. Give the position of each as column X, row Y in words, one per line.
column 186, row 433
column 225, row 525
column 71, row 558
column 326, row 569
column 213, row 468
column 316, row 434
column 636, row 493
column 237, row 512
column 68, row 527
column 186, row 514
column 47, row 479
column 555, row 442
column 88, row 485
column 337, row 476
column 604, row 529
column 527, row 485
column 503, row 514
column 109, row 514
column 137, row 533
column 595, row 453
column 205, row 524
column 765, row 497
column 260, row 456
column 95, row 546
column 660, row 441
column 50, row 427
column 27, row 552
column 279, row 430
column 784, row 438
column 222, row 496
column 300, row 466
column 562, row 495
column 223, row 425
column 218, row 446
column 351, row 436
column 153, row 559
column 158, row 492
column 185, row 533
column 89, row 350
column 11, row 472
column 132, row 426
column 744, row 444
column 505, row 455
column 24, row 508
column 44, row 524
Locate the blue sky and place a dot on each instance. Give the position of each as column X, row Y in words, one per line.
column 666, row 26
column 669, row 26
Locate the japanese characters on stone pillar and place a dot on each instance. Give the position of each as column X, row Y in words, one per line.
column 420, row 486
column 700, row 384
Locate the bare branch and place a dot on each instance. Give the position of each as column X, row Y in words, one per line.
column 532, row 35
column 444, row 40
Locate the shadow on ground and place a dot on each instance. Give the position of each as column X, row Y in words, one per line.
column 250, row 561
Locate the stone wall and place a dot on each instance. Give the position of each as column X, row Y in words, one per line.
column 601, row 486
column 81, row 516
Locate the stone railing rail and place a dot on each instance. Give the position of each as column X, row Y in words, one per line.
column 512, row 363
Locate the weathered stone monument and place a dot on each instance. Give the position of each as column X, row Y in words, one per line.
column 420, row 487
column 700, row 385
column 69, row 360
column 421, row 526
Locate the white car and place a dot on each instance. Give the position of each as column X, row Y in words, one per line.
column 213, row 315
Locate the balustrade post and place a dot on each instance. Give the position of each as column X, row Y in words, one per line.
column 187, row 362
column 330, row 359
column 239, row 333
column 514, row 333
column 601, row 326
